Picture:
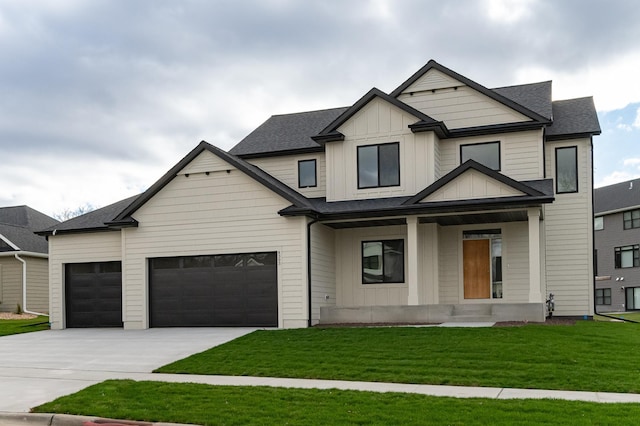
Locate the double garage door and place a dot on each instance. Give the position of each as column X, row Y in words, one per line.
column 206, row 291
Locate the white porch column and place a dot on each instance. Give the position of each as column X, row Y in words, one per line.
column 412, row 260
column 535, row 295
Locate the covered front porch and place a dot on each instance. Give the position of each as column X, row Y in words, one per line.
column 477, row 265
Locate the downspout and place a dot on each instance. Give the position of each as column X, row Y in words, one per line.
column 593, row 238
column 24, row 288
column 309, row 295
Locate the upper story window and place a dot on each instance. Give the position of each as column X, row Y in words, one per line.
column 566, row 169
column 307, row 176
column 598, row 223
column 631, row 219
column 379, row 165
column 486, row 153
column 627, row 256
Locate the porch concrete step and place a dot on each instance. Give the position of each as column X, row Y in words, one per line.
column 471, row 318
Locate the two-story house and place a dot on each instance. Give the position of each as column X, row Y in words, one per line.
column 440, row 201
column 617, row 245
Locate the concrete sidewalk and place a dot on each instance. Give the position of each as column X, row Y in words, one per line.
column 85, row 378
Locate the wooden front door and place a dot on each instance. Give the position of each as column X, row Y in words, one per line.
column 477, row 275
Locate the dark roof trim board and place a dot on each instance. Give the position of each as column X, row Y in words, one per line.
column 478, row 87
column 297, row 151
column 330, row 133
column 255, row 172
column 472, row 165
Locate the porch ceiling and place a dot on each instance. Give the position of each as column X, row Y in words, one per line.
column 443, row 220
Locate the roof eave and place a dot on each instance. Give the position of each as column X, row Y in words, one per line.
column 578, row 135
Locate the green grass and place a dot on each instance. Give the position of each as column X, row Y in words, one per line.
column 590, row 356
column 633, row 316
column 231, row 405
column 8, row 327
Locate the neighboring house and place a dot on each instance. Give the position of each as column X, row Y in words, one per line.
column 617, row 246
column 441, row 201
column 24, row 272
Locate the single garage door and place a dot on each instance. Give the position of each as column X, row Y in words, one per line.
column 221, row 290
column 93, row 294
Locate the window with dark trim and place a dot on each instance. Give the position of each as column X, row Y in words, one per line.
column 485, row 153
column 603, row 296
column 627, row 256
column 382, row 261
column 379, row 165
column 631, row 219
column 307, row 176
column 566, row 169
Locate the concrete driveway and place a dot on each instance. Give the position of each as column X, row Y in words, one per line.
column 38, row 367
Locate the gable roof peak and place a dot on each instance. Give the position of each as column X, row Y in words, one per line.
column 472, row 84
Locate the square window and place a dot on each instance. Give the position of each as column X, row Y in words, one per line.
column 379, row 165
column 603, row 296
column 383, row 261
column 598, row 223
column 631, row 219
column 487, row 154
column 567, row 169
column 307, row 177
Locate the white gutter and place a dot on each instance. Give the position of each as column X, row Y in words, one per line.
column 24, row 284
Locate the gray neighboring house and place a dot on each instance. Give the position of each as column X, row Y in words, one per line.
column 24, row 277
column 617, row 246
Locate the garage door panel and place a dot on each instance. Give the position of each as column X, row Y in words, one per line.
column 93, row 294
column 220, row 290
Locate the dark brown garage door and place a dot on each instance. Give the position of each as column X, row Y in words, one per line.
column 221, row 290
column 93, row 294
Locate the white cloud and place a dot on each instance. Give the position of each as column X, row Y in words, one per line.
column 509, row 11
column 617, row 177
column 635, row 162
column 636, row 123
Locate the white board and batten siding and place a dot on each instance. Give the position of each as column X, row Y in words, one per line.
column 521, row 153
column 472, row 185
column 76, row 248
column 285, row 169
column 457, row 105
column 379, row 122
column 222, row 212
column 568, row 223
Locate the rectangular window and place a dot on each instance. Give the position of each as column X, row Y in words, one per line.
column 603, row 296
column 379, row 165
column 631, row 219
column 567, row 169
column 383, row 261
column 487, row 154
column 627, row 256
column 307, row 174
column 598, row 223
column 632, row 299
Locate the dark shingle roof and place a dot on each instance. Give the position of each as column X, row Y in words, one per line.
column 18, row 224
column 95, row 220
column 534, row 96
column 616, row 197
column 283, row 133
column 574, row 117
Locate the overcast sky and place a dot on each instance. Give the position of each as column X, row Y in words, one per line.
column 98, row 99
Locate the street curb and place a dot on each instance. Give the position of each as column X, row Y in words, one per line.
column 45, row 419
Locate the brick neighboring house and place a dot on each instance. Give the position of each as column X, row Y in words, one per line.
column 617, row 246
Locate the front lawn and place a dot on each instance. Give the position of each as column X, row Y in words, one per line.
column 17, row 326
column 589, row 356
column 231, row 405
